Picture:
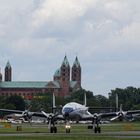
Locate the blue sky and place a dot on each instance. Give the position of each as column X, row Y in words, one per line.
column 35, row 35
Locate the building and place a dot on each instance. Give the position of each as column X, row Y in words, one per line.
column 65, row 81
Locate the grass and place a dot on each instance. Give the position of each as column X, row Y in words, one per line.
column 79, row 132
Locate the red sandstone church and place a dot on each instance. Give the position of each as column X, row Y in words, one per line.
column 61, row 85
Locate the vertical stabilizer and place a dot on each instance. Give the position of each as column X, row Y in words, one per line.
column 121, row 108
column 54, row 101
column 85, row 99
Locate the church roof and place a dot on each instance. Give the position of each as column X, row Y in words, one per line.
column 58, row 72
column 76, row 62
column 65, row 61
column 28, row 84
column 8, row 65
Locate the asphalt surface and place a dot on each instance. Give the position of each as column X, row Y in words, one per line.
column 121, row 134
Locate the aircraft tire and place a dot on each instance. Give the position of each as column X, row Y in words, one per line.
column 51, row 130
column 67, row 130
column 55, row 129
column 99, row 129
column 95, row 130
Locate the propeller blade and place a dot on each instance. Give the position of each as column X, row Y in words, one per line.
column 45, row 114
column 29, row 120
column 49, row 124
column 112, row 119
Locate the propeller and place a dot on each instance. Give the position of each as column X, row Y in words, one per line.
column 27, row 115
column 120, row 115
column 50, row 117
column 96, row 118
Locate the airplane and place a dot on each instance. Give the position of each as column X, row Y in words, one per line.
column 75, row 112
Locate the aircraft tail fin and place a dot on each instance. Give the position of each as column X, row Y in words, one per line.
column 53, row 104
column 121, row 108
column 85, row 99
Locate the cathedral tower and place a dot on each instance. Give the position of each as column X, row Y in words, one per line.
column 65, row 77
column 76, row 72
column 8, row 72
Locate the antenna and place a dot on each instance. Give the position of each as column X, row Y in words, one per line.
column 53, row 107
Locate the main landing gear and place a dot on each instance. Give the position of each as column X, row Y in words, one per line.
column 97, row 129
column 53, row 128
column 67, row 127
column 95, row 126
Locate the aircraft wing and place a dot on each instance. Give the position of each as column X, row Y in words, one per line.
column 50, row 116
column 113, row 114
column 37, row 114
column 11, row 111
column 59, row 117
column 133, row 112
column 110, row 114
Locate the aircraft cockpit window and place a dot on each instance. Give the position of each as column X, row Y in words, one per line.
column 68, row 109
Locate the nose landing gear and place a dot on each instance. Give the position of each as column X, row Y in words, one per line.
column 67, row 127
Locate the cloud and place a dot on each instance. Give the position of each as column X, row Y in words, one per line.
column 132, row 32
column 36, row 34
column 58, row 12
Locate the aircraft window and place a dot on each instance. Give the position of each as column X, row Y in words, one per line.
column 68, row 109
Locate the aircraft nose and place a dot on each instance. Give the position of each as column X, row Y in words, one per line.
column 67, row 111
column 66, row 114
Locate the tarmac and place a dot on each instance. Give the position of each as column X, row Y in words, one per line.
column 120, row 134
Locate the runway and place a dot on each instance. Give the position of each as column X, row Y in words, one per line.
column 121, row 134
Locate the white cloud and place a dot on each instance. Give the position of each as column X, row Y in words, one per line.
column 37, row 33
column 132, row 32
column 61, row 13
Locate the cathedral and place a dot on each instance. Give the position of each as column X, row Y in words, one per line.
column 65, row 81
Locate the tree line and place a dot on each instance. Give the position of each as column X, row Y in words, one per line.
column 128, row 97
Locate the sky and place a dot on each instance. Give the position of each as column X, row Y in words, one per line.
column 35, row 35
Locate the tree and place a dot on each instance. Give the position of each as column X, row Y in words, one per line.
column 42, row 102
column 78, row 96
column 128, row 97
column 15, row 102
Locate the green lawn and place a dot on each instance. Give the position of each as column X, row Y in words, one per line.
column 79, row 132
column 74, row 128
